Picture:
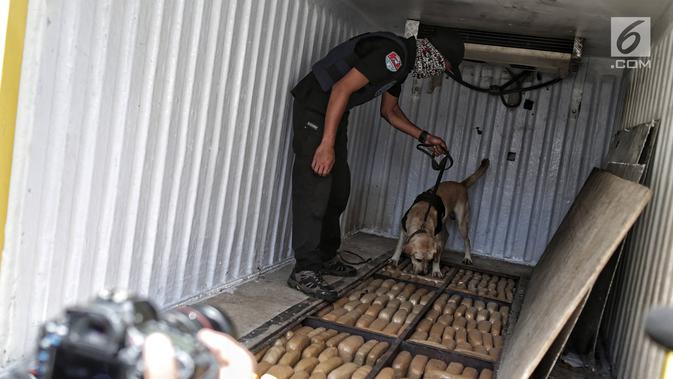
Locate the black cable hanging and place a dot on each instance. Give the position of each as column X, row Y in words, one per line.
column 504, row 89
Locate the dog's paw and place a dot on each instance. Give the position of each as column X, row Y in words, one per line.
column 394, row 262
column 437, row 274
column 467, row 261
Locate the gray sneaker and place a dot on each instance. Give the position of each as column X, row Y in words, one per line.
column 312, row 284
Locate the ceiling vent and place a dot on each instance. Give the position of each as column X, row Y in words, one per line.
column 556, row 56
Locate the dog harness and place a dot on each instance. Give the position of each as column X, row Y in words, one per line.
column 435, row 202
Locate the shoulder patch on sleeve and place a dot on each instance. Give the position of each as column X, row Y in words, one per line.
column 393, row 61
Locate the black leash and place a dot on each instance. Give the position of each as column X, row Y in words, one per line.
column 439, row 166
column 361, row 260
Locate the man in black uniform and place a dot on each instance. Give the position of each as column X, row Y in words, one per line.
column 351, row 74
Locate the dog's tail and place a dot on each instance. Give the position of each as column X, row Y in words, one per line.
column 470, row 180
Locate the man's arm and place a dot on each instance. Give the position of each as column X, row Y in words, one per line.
column 323, row 159
column 391, row 112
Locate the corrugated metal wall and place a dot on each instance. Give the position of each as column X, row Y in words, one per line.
column 645, row 276
column 152, row 148
column 517, row 205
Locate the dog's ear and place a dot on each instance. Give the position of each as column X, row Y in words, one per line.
column 406, row 249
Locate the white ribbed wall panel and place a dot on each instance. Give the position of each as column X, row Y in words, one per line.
column 152, row 148
column 517, row 206
column 645, row 276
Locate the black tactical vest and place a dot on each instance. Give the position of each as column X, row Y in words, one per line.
column 341, row 59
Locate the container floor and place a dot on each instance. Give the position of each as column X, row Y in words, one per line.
column 254, row 303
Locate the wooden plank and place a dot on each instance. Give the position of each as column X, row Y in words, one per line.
column 603, row 212
column 584, row 338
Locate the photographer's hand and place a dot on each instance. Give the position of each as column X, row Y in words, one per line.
column 158, row 354
column 235, row 361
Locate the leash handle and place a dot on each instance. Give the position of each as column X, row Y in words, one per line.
column 436, row 165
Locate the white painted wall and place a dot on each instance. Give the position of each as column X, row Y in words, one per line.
column 152, row 148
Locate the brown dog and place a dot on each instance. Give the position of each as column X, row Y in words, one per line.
column 423, row 241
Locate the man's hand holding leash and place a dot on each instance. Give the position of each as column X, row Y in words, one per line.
column 438, row 144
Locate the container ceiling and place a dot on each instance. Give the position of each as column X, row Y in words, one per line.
column 550, row 18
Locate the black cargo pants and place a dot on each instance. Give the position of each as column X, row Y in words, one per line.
column 317, row 201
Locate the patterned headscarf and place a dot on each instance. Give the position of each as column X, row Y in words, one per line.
column 429, row 61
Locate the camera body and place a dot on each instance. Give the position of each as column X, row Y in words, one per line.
column 105, row 338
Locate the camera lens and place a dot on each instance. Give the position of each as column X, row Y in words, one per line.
column 191, row 319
